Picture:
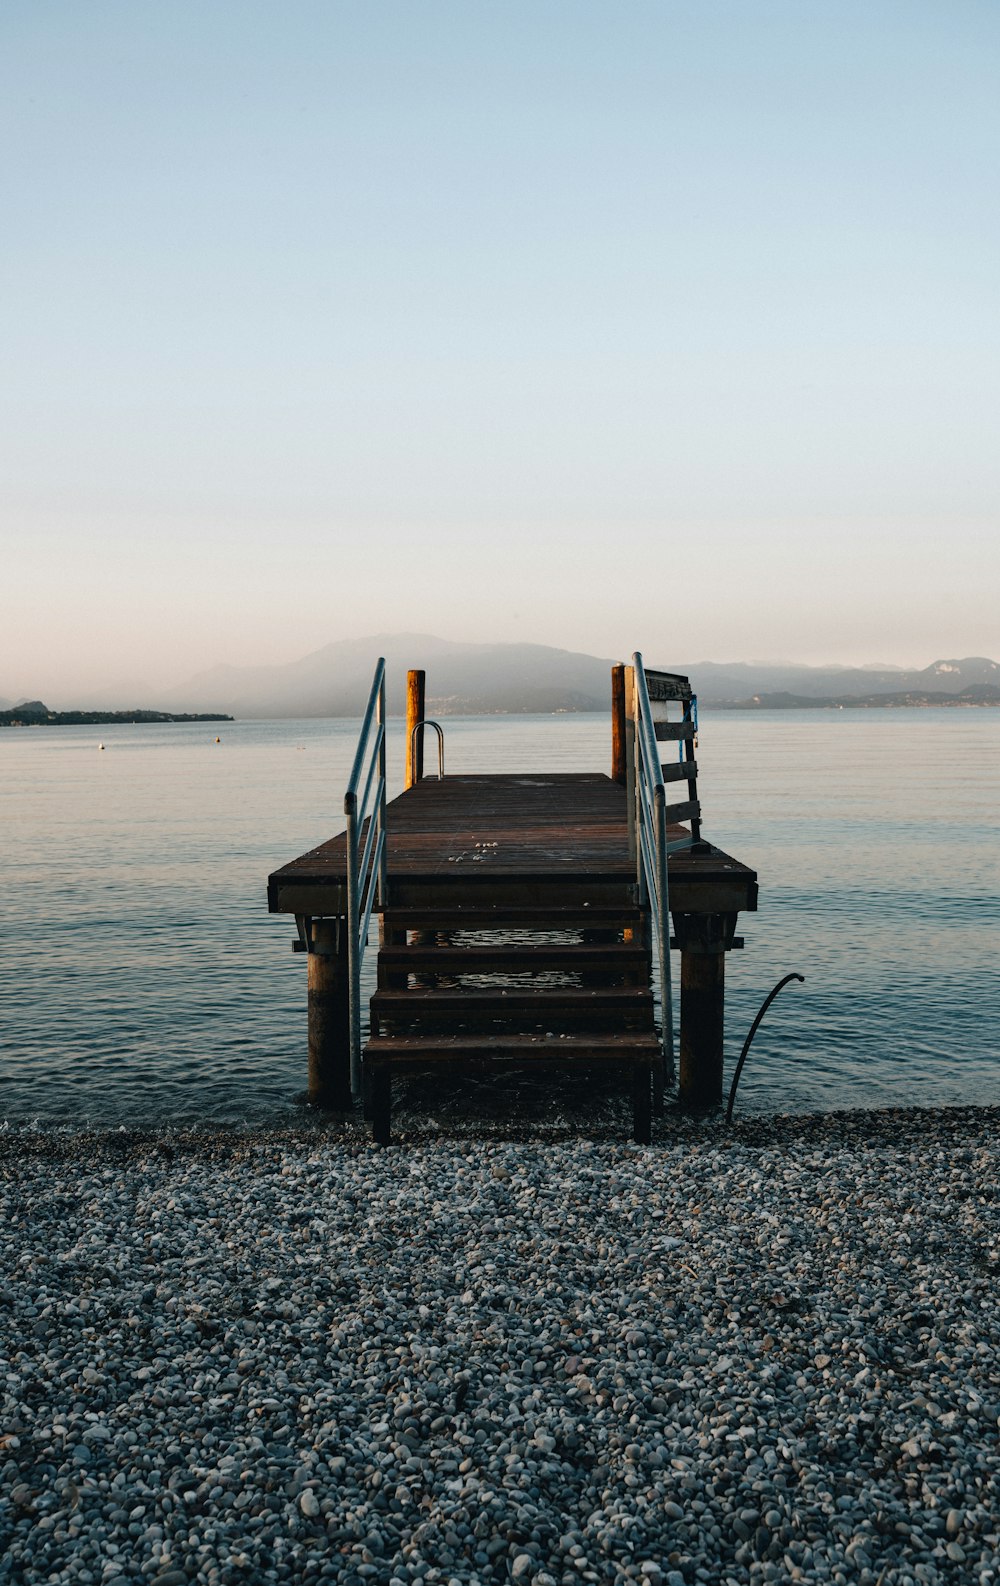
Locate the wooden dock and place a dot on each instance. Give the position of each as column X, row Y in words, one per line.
column 513, row 931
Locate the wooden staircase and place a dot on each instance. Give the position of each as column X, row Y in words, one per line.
column 513, row 986
column 519, row 912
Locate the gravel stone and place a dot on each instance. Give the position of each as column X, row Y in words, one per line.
column 762, row 1354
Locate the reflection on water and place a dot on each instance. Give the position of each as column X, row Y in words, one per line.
column 143, row 980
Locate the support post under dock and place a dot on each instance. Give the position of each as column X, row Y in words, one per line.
column 329, row 1016
column 704, row 940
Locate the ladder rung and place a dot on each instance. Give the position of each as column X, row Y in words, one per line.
column 674, row 731
column 690, row 810
column 680, row 771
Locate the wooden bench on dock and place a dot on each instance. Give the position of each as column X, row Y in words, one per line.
column 515, row 929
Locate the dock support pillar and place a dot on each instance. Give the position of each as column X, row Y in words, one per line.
column 329, row 1016
column 416, row 689
column 703, row 940
column 626, row 760
column 619, row 769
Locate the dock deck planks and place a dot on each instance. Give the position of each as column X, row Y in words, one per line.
column 529, row 828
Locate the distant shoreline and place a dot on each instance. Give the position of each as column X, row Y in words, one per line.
column 602, row 1122
column 96, row 718
column 970, row 701
column 974, row 699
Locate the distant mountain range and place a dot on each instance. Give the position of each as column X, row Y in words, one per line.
column 484, row 679
column 975, row 694
column 488, row 679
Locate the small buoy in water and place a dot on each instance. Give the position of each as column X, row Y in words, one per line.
column 218, row 740
column 100, row 746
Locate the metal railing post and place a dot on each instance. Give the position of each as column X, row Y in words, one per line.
column 353, row 945
column 367, row 865
column 652, row 847
column 631, row 793
column 383, row 862
column 418, row 727
column 663, row 899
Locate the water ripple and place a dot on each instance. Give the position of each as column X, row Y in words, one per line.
column 143, row 981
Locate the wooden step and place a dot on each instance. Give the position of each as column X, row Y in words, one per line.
column 618, row 958
column 500, row 916
column 636, row 1053
column 634, row 1046
column 565, row 1008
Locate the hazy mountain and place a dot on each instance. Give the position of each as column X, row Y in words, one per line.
column 487, row 678
column 461, row 678
column 718, row 683
column 975, row 694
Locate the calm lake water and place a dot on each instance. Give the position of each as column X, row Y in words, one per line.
column 143, row 981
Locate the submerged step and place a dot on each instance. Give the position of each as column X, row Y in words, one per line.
column 499, row 916
column 618, row 958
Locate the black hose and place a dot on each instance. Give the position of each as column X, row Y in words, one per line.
column 753, row 1031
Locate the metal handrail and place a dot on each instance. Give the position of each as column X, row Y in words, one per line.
column 417, row 725
column 367, row 871
column 652, row 847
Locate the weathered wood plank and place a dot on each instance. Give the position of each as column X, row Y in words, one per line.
column 676, row 813
column 680, row 771
column 511, row 841
column 667, row 686
column 630, row 1047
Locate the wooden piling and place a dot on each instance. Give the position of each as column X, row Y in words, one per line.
column 381, row 1105
column 416, row 684
column 704, row 940
column 618, row 764
column 628, row 681
column 642, row 1121
column 329, row 1016
column 703, row 993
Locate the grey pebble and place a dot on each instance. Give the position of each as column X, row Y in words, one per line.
column 267, row 1361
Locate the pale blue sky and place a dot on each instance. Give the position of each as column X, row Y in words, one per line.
column 671, row 325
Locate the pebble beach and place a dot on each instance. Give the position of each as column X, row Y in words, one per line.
column 763, row 1353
